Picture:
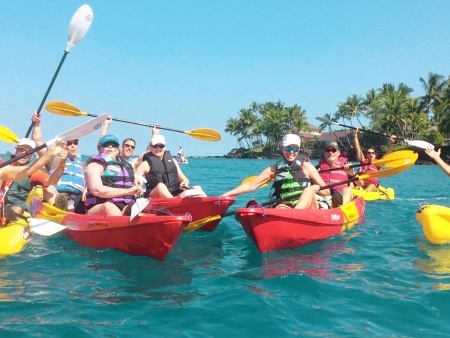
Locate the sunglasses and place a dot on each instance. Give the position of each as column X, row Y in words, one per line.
column 294, row 149
column 22, row 150
column 330, row 150
column 69, row 143
column 370, row 152
column 158, row 146
column 108, row 144
column 129, row 146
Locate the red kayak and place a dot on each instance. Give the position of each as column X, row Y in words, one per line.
column 201, row 209
column 275, row 229
column 147, row 235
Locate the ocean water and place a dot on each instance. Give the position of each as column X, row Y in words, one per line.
column 382, row 278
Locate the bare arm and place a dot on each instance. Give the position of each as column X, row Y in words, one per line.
column 265, row 176
column 359, row 153
column 140, row 171
column 184, row 182
column 36, row 136
column 436, row 155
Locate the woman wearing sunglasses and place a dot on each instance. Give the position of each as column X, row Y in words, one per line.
column 109, row 180
column 293, row 175
column 371, row 183
column 163, row 175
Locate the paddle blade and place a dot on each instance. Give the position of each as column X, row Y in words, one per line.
column 252, row 178
column 205, row 134
column 200, row 223
column 397, row 159
column 8, row 135
column 79, row 25
column 64, row 109
column 324, row 120
column 44, row 227
column 83, row 129
column 419, row 144
column 138, row 207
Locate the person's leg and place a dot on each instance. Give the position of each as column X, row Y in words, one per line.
column 307, row 200
column 107, row 208
column 161, row 191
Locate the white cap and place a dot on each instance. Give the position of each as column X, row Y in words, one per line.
column 158, row 139
column 26, row 142
column 290, row 139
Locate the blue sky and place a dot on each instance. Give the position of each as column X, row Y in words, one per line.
column 191, row 64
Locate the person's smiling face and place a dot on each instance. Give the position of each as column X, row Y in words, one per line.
column 290, row 152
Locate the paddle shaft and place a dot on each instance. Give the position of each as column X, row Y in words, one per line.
column 48, row 91
column 25, row 154
column 136, row 123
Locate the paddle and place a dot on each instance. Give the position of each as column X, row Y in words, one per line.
column 66, row 109
column 381, row 173
column 74, row 133
column 138, row 206
column 78, row 27
column 42, row 227
column 391, row 160
column 414, row 143
column 8, row 135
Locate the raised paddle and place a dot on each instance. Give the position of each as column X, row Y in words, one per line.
column 8, row 135
column 74, row 133
column 78, row 27
column 381, row 173
column 391, row 160
column 414, row 143
column 67, row 109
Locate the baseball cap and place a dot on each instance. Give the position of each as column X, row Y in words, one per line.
column 331, row 143
column 158, row 139
column 27, row 142
column 290, row 139
column 109, row 138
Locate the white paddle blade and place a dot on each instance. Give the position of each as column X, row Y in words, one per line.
column 322, row 119
column 419, row 144
column 79, row 25
column 45, row 227
column 81, row 130
column 138, row 207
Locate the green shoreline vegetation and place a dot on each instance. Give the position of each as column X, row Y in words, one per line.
column 390, row 110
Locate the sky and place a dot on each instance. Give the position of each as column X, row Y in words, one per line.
column 195, row 64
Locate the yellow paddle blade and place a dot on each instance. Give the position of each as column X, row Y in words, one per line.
column 64, row 109
column 200, row 223
column 397, row 159
column 252, row 178
column 205, row 134
column 387, row 172
column 8, row 135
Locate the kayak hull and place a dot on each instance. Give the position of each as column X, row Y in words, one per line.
column 200, row 208
column 382, row 194
column 13, row 238
column 276, row 229
column 147, row 235
column 435, row 221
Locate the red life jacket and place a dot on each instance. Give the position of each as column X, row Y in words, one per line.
column 369, row 168
column 334, row 176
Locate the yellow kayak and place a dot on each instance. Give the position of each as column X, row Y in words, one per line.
column 435, row 221
column 13, row 238
column 381, row 194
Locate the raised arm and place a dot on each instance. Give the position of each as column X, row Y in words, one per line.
column 359, row 153
column 436, row 155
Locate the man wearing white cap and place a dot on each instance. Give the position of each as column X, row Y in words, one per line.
column 292, row 176
column 162, row 173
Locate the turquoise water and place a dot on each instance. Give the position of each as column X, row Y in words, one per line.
column 381, row 279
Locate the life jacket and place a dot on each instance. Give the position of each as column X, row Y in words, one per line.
column 116, row 174
column 369, row 168
column 72, row 178
column 290, row 180
column 17, row 192
column 161, row 171
column 334, row 176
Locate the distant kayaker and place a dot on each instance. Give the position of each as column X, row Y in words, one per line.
column 109, row 180
column 371, row 183
column 163, row 176
column 436, row 155
column 332, row 159
column 292, row 176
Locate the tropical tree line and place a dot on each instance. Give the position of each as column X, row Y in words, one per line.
column 390, row 110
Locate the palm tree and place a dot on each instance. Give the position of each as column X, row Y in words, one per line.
column 433, row 88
